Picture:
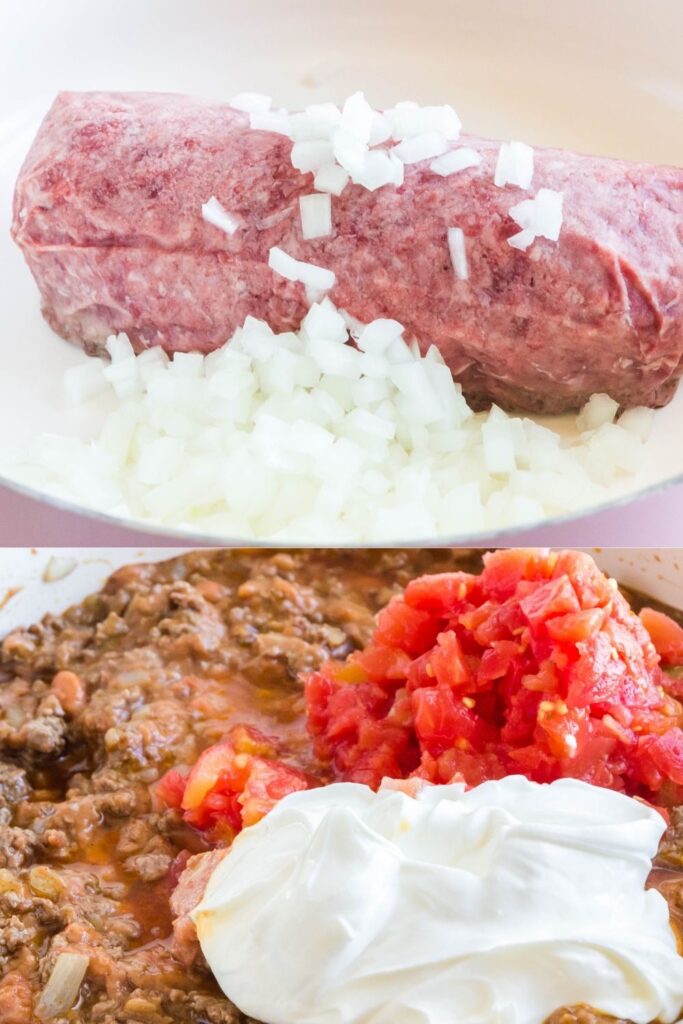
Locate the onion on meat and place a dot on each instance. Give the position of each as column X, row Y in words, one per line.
column 63, row 985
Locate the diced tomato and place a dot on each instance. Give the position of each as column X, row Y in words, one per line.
column 410, row 630
column 592, row 587
column 170, row 788
column 267, row 783
column 442, row 721
column 441, row 594
column 576, row 626
column 556, row 597
column 562, row 728
column 497, row 659
column 666, row 635
column 448, row 663
column 504, row 569
column 232, row 784
column 666, row 751
column 212, row 763
column 536, row 666
column 381, row 662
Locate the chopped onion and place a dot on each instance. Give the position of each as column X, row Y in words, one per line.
column 515, row 165
column 310, row 156
column 421, row 147
column 357, row 117
column 541, row 215
column 549, row 213
column 316, row 215
column 441, row 119
column 638, row 421
column 84, row 381
column 303, row 128
column 598, row 410
column 58, row 567
column 379, row 168
column 215, row 214
column 325, row 116
column 522, row 240
column 350, row 152
column 455, row 160
column 381, row 129
column 251, row 102
column 405, row 120
column 296, row 436
column 297, row 270
column 269, row 121
column 63, row 985
column 119, row 348
column 456, row 247
column 331, row 178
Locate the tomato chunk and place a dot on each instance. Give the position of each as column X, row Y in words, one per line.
column 232, row 784
column 666, row 635
column 537, row 665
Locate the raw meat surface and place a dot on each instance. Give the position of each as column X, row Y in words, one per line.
column 108, row 214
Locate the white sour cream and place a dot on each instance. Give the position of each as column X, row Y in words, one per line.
column 492, row 906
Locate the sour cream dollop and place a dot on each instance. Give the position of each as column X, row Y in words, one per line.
column 493, row 906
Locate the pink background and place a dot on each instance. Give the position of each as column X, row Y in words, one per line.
column 653, row 521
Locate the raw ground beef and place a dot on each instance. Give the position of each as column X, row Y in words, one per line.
column 107, row 212
column 166, row 657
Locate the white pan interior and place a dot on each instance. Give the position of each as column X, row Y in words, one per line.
column 600, row 77
column 26, row 593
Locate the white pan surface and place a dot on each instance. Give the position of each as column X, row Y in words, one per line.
column 598, row 77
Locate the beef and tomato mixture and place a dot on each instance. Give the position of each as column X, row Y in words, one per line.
column 143, row 728
column 98, row 704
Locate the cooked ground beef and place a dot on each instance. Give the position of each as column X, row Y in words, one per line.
column 96, row 704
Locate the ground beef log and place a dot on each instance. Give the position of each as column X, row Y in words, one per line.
column 108, row 214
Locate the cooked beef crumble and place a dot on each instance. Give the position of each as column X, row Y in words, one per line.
column 96, row 704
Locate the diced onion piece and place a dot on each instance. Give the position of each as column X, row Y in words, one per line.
column 310, row 156
column 442, row 119
column 269, row 121
column 377, row 336
column 216, row 214
column 324, row 321
column 380, row 131
column 298, row 270
column 515, row 165
column 638, row 421
column 303, row 128
column 498, row 445
column 522, row 240
column 349, row 151
column 119, row 348
column 58, row 567
column 541, row 215
column 379, row 168
column 316, row 215
column 357, row 117
column 456, row 247
column 549, row 213
column 331, row 178
column 405, row 120
column 324, row 116
column 455, row 160
column 251, row 102
column 63, row 985
column 599, row 409
column 421, row 147
column 84, row 381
